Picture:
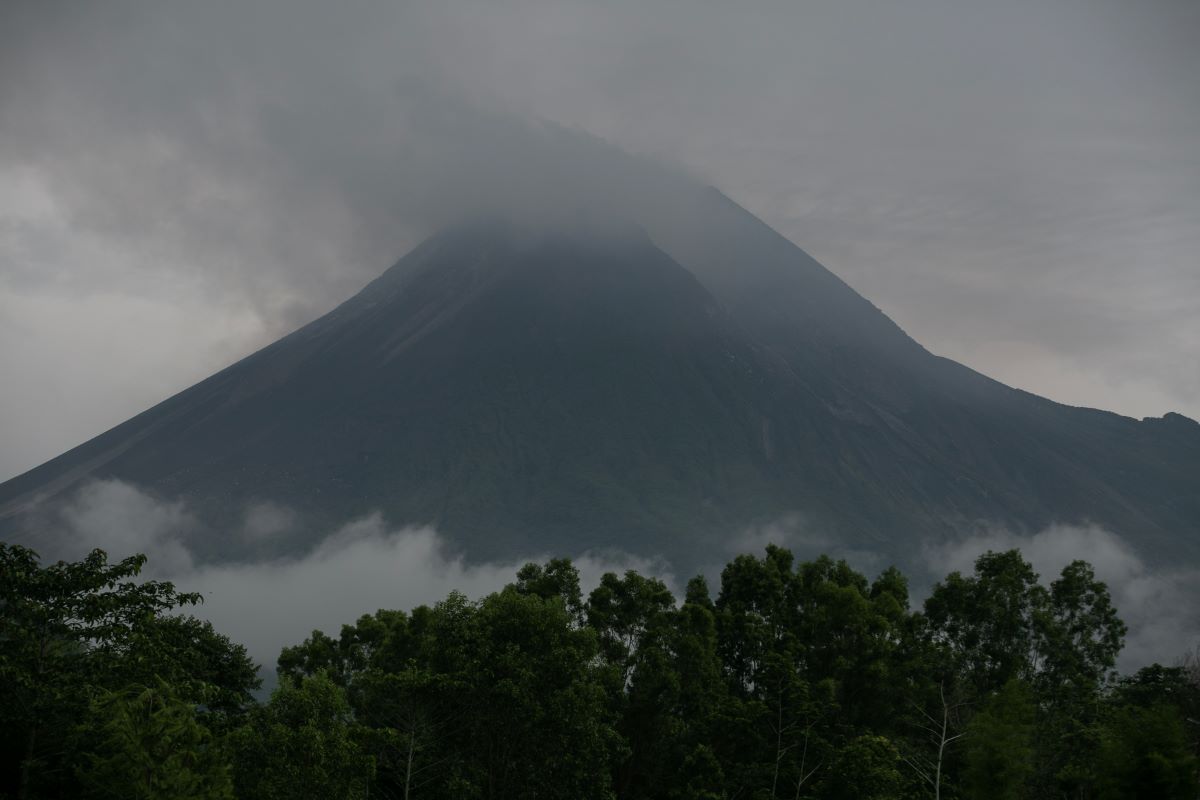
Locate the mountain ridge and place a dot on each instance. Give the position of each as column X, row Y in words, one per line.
column 653, row 387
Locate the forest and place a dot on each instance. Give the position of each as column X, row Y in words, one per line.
column 793, row 679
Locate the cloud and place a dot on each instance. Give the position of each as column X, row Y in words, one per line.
column 122, row 520
column 165, row 345
column 366, row 565
column 267, row 520
column 357, row 569
column 807, row 538
column 1158, row 604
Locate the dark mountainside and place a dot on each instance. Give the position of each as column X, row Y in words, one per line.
column 555, row 392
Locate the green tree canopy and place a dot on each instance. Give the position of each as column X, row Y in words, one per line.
column 72, row 630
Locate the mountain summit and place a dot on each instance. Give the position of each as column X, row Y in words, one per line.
column 655, row 389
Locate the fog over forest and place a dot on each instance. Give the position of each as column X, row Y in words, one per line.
column 368, row 564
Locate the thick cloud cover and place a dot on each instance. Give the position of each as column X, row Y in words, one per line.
column 180, row 182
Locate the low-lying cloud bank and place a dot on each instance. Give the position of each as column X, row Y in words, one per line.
column 363, row 566
column 366, row 565
column 1160, row 606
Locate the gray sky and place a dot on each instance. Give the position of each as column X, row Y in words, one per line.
column 1016, row 183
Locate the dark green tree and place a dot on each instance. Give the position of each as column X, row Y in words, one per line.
column 498, row 698
column 146, row 743
column 1078, row 633
column 556, row 578
column 702, row 690
column 68, row 631
column 700, row 777
column 1145, row 754
column 403, row 688
column 999, row 745
column 539, row 727
column 987, row 621
column 304, row 743
column 198, row 663
column 809, row 651
column 1077, row 638
column 633, row 617
column 629, row 614
column 865, row 768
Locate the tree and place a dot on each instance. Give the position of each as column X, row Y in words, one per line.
column 756, row 611
column 1177, row 687
column 865, row 768
column 68, row 630
column 1078, row 633
column 557, row 578
column 702, row 694
column 304, row 743
column 987, row 621
column 383, row 640
column 538, row 726
column 848, row 633
column 1145, row 754
column 497, row 698
column 940, row 727
column 625, row 613
column 401, row 686
column 633, row 618
column 201, row 665
column 769, row 717
column 149, row 745
column 412, row 718
column 999, row 751
column 700, row 778
column 1077, row 638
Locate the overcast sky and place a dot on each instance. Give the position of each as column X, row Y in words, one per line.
column 1016, row 183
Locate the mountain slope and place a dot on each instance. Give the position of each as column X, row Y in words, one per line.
column 532, row 390
column 977, row 450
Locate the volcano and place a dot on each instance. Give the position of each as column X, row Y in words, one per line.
column 654, row 387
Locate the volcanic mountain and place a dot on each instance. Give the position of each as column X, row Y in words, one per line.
column 656, row 388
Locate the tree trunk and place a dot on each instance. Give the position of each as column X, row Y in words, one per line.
column 408, row 768
column 30, row 746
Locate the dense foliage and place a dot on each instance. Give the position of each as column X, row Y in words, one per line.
column 797, row 680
